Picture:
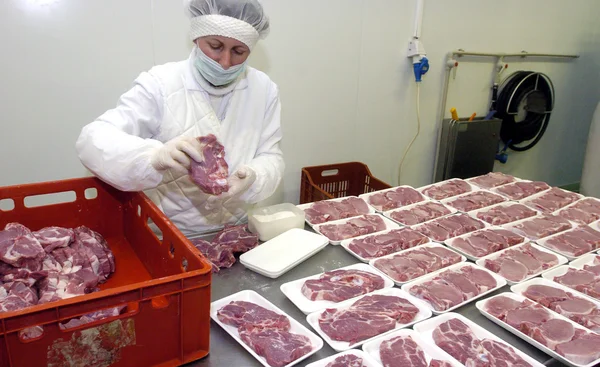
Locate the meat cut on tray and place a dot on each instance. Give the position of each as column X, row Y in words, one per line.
column 420, row 213
column 379, row 245
column 417, row 262
column 474, row 200
column 447, row 189
column 492, row 179
column 584, row 211
column 394, row 198
column 575, row 344
column 340, row 285
column 330, row 210
column 348, row 360
column 231, row 240
column 552, row 200
column 354, row 227
column 453, row 287
column 505, row 213
column 573, row 307
column 367, row 317
column 486, row 241
column 212, row 172
column 457, row 339
column 575, row 242
column 403, row 351
column 516, row 264
column 450, row 226
column 586, row 280
column 541, row 226
column 266, row 332
column 522, row 189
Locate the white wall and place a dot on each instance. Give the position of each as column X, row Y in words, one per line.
column 347, row 87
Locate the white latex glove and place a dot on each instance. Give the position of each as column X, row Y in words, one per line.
column 176, row 154
column 239, row 183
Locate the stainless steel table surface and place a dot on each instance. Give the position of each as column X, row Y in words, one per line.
column 226, row 352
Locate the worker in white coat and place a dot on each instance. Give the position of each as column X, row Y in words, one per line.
column 146, row 143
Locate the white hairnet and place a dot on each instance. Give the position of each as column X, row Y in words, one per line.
column 249, row 11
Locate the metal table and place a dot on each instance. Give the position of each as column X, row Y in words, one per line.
column 226, row 352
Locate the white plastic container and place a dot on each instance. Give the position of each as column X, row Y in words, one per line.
column 271, row 221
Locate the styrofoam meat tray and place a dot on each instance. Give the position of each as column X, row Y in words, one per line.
column 366, row 197
column 557, row 212
column 388, row 214
column 485, row 226
column 426, row 328
column 587, row 259
column 450, row 200
column 367, row 360
column 251, row 296
column 500, row 282
column 561, row 260
column 346, row 243
column 450, row 243
column 339, row 346
column 472, row 181
column 474, row 213
column 511, row 227
column 528, row 201
column 595, row 225
column 481, row 307
column 560, row 271
column 293, row 289
column 388, row 224
column 282, row 253
column 542, row 242
column 303, row 207
column 430, row 351
column 400, row 253
column 422, row 189
column 496, row 191
column 522, row 287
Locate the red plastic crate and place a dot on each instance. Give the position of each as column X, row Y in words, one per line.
column 164, row 284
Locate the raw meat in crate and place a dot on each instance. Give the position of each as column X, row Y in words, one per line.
column 552, row 200
column 415, row 263
column 447, row 189
column 584, row 211
column 518, row 263
column 348, row 360
column 475, row 200
column 340, row 285
column 368, row 317
column 487, row 241
column 575, row 242
column 541, row 226
column 492, row 179
column 355, row 227
column 402, row 351
column 379, row 245
column 522, row 189
column 450, row 226
column 52, row 238
column 503, row 214
column 19, row 246
column 327, row 211
column 212, row 172
column 420, row 213
column 394, row 198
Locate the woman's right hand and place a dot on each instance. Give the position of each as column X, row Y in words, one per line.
column 176, row 154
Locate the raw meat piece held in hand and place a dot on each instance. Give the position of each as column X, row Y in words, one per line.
column 210, row 172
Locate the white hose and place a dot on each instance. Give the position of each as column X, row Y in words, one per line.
column 416, row 135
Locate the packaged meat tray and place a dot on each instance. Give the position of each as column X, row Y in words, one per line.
column 372, row 246
column 372, row 315
column 469, row 343
column 344, row 229
column 393, row 198
column 474, row 200
column 492, row 179
column 418, row 213
column 325, row 211
column 335, row 286
column 349, row 358
column 453, row 287
column 407, row 348
column 450, row 226
column 551, row 200
column 573, row 243
column 578, row 307
column 583, row 280
column 546, row 330
column 589, row 262
column 266, row 329
column 504, row 213
column 523, row 262
column 410, row 265
column 447, row 189
column 521, row 189
column 478, row 244
column 584, row 211
column 541, row 226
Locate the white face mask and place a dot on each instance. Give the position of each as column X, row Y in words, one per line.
column 213, row 72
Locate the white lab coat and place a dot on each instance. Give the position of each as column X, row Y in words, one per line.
column 167, row 102
column 590, row 180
